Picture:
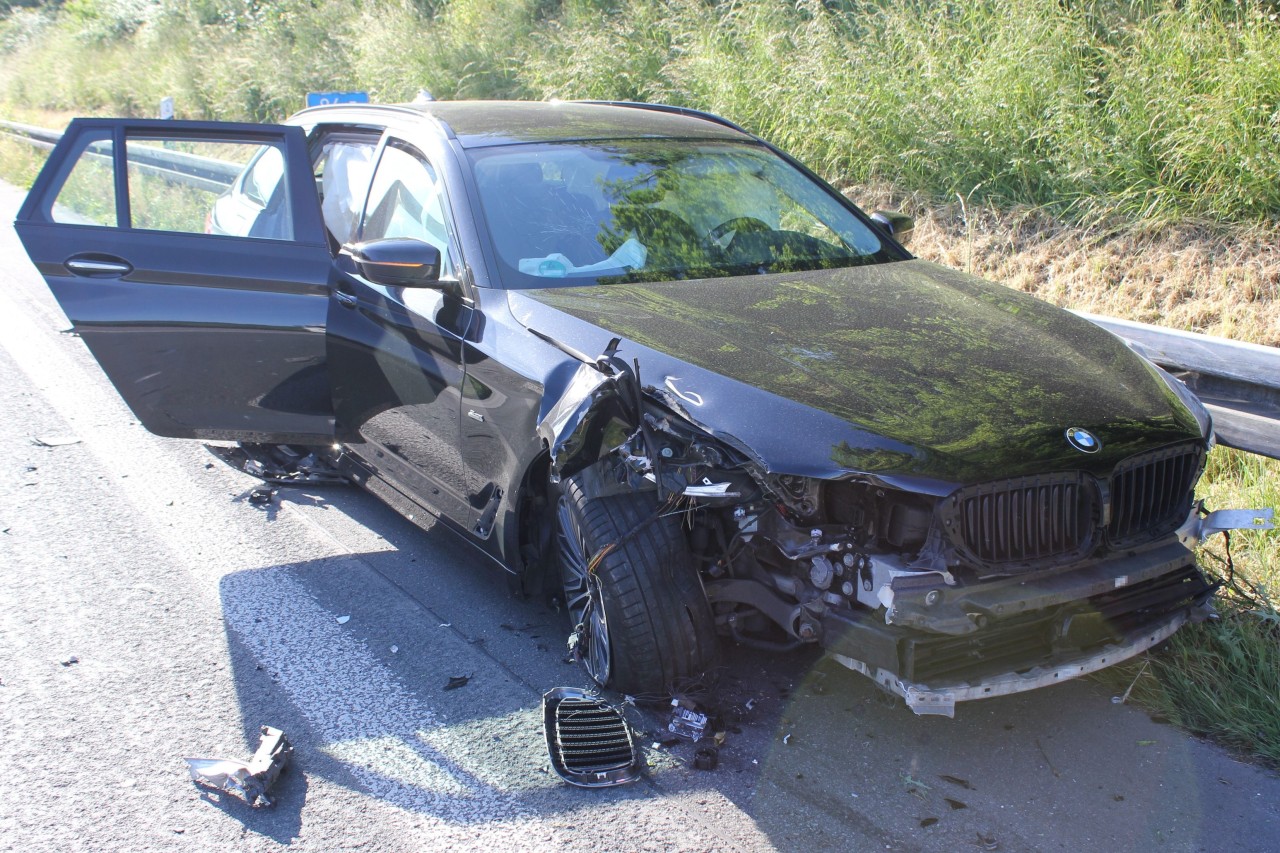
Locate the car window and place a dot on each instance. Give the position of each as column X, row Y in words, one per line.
column 189, row 185
column 407, row 199
column 659, row 209
column 344, row 170
column 88, row 195
column 179, row 183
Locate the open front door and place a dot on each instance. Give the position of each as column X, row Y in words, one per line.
column 192, row 259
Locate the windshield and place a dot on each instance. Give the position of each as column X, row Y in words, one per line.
column 659, row 209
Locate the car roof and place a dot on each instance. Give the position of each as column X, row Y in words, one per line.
column 480, row 124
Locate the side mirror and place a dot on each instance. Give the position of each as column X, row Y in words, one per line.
column 899, row 225
column 398, row 262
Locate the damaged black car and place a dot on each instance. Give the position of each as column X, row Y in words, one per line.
column 644, row 359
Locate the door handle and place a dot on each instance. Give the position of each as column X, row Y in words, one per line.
column 346, row 300
column 96, row 266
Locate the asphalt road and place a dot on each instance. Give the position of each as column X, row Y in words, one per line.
column 196, row 617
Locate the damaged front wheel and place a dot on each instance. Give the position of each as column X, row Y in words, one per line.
column 641, row 620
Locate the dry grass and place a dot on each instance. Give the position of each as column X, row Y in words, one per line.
column 1216, row 280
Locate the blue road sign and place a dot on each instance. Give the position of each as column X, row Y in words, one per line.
column 320, row 99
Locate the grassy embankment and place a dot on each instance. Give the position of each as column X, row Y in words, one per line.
column 1118, row 157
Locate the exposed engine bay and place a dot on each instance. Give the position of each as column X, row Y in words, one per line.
column 991, row 589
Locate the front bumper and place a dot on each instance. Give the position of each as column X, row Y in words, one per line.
column 1023, row 634
column 941, row 698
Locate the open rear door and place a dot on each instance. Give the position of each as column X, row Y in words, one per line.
column 192, row 259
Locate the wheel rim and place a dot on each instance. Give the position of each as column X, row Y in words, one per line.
column 584, row 597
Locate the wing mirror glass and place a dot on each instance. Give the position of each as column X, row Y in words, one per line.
column 899, row 225
column 398, row 261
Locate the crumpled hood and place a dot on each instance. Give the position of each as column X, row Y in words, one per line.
column 908, row 368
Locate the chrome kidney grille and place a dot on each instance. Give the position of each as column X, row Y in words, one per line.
column 1151, row 493
column 589, row 742
column 1028, row 520
column 1039, row 522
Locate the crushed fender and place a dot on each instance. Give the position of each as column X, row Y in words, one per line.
column 250, row 781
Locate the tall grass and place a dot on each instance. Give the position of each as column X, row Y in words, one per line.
column 1165, row 110
column 1222, row 679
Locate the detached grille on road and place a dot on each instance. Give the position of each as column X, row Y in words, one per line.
column 1151, row 493
column 1030, row 521
column 589, row 742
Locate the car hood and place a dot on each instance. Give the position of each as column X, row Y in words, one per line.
column 899, row 369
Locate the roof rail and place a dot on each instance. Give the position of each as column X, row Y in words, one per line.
column 668, row 108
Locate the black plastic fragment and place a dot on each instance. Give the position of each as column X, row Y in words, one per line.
column 262, row 496
column 282, row 464
column 706, row 758
column 589, row 742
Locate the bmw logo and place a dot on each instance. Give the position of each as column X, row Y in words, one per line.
column 1083, row 440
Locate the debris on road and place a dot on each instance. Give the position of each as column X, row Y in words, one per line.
column 686, row 722
column 956, row 780
column 706, row 758
column 283, row 464
column 457, row 681
column 589, row 742
column 914, row 786
column 261, row 496
column 252, row 780
column 55, row 440
column 342, row 620
column 69, row 661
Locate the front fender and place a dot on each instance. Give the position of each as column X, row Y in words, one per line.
column 581, row 425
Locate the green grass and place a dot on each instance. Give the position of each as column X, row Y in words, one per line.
column 1221, row 679
column 1162, row 110
column 19, row 161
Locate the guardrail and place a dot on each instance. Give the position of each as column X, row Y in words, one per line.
column 1238, row 382
column 178, row 167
